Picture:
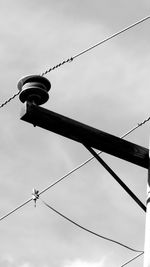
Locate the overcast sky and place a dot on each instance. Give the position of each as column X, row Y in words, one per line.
column 107, row 88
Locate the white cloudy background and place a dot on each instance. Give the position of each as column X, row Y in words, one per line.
column 107, row 88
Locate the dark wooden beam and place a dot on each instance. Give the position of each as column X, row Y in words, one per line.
column 82, row 133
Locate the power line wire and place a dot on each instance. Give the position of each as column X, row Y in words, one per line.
column 69, row 173
column 111, row 37
column 80, row 226
column 78, row 167
column 83, row 52
column 97, row 44
column 17, row 208
column 9, row 100
column 87, row 230
column 132, row 259
column 72, row 171
column 57, row 66
column 92, row 157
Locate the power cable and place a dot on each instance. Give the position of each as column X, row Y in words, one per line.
column 78, row 167
column 9, row 100
column 91, row 232
column 87, row 230
column 111, row 37
column 92, row 157
column 57, row 66
column 72, row 171
column 83, row 52
column 17, row 208
column 97, row 44
column 132, row 259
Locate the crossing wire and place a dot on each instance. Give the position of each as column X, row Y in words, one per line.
column 65, row 217
column 72, row 171
column 93, row 233
column 57, row 66
column 132, row 259
column 83, row 52
column 69, row 173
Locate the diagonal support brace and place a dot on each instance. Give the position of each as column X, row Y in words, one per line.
column 123, row 185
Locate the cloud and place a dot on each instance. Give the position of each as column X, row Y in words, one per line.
column 26, row 264
column 107, row 89
column 9, row 261
column 80, row 263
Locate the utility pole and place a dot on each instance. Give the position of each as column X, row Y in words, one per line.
column 147, row 225
column 34, row 92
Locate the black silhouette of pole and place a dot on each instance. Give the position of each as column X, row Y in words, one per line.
column 147, row 225
column 34, row 92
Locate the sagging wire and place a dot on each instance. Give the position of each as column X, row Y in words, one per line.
column 87, row 230
column 72, row 171
column 98, row 235
column 84, row 163
column 35, row 197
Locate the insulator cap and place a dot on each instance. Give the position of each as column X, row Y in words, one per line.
column 34, row 88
